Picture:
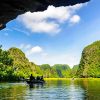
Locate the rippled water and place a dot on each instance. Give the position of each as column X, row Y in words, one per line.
column 81, row 89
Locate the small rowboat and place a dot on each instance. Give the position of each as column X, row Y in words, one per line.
column 32, row 80
column 35, row 82
column 32, row 83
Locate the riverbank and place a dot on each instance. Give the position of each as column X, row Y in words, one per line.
column 71, row 78
column 46, row 79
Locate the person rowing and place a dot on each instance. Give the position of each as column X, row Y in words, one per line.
column 32, row 78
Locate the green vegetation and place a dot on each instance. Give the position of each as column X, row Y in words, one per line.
column 48, row 71
column 74, row 71
column 15, row 66
column 21, row 64
column 56, row 71
column 6, row 63
column 90, row 61
column 63, row 70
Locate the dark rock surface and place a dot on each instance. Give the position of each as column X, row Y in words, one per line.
column 10, row 9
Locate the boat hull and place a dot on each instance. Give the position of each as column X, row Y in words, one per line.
column 35, row 82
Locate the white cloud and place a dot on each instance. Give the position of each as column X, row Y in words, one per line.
column 75, row 19
column 31, row 50
column 43, row 27
column 49, row 21
column 34, row 50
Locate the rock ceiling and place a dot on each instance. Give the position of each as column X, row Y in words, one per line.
column 10, row 9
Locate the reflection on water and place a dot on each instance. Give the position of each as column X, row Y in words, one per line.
column 80, row 89
column 12, row 91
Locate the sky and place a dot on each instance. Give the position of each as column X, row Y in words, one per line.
column 55, row 36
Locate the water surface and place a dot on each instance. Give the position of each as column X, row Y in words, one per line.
column 79, row 89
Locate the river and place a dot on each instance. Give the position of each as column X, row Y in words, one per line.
column 78, row 89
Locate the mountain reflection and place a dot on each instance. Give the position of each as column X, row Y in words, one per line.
column 78, row 89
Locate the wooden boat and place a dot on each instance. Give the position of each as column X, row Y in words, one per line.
column 35, row 82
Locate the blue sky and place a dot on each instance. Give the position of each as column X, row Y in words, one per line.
column 55, row 36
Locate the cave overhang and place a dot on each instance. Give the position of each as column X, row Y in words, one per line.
column 10, row 9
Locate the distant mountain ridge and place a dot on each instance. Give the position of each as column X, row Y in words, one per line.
column 16, row 66
column 56, row 71
column 25, row 68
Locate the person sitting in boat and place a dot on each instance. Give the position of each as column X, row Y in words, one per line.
column 37, row 78
column 41, row 78
column 32, row 78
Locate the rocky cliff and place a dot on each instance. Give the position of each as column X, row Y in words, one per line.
column 90, row 61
